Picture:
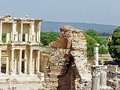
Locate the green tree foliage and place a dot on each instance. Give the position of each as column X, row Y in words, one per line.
column 102, row 41
column 114, row 45
column 93, row 38
column 48, row 37
column 90, row 46
column 103, row 49
column 92, row 33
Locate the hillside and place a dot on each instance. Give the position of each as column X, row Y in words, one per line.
column 54, row 26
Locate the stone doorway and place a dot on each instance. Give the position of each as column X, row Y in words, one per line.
column 3, row 68
column 4, row 65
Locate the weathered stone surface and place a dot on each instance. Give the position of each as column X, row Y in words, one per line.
column 69, row 52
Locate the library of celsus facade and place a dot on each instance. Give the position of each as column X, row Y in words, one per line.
column 19, row 47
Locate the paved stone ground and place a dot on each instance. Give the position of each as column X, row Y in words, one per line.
column 21, row 87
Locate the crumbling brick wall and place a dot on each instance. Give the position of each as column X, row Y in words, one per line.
column 68, row 60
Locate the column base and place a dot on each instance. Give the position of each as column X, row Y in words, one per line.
column 20, row 73
column 12, row 73
column 31, row 72
column 42, row 77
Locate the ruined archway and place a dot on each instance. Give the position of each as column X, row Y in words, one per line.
column 68, row 60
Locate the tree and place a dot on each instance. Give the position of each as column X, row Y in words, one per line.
column 114, row 45
column 90, row 46
column 102, row 41
column 92, row 33
column 103, row 49
column 48, row 37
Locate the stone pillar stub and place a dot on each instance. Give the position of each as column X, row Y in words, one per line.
column 96, row 77
column 103, row 77
column 96, row 54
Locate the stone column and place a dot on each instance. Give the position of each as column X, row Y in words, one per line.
column 25, row 62
column 103, row 79
column 0, row 59
column 0, row 32
column 11, row 36
column 20, row 62
column 31, row 32
column 33, row 65
column 26, row 37
column 21, row 32
column 15, row 65
column 13, row 31
column 38, row 62
column 12, row 62
column 95, row 77
column 38, row 32
column 30, row 62
column 96, row 54
column 7, row 37
column 7, row 66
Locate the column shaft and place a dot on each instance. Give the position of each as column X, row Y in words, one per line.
column 96, row 77
column 30, row 34
column 21, row 32
column 7, row 66
column 33, row 64
column 26, row 37
column 30, row 63
column 20, row 62
column 38, row 62
column 12, row 62
column 13, row 31
column 38, row 32
column 96, row 54
column 25, row 63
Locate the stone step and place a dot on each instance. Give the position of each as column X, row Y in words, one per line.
column 19, row 79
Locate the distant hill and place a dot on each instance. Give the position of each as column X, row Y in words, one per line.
column 54, row 26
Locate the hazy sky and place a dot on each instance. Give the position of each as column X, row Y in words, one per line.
column 87, row 11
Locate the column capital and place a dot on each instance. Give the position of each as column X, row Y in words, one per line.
column 12, row 49
column 21, row 49
column 31, row 49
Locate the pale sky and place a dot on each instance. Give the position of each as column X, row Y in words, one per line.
column 86, row 11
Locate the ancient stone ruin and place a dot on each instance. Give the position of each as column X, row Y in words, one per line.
column 67, row 68
column 67, row 65
column 61, row 66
